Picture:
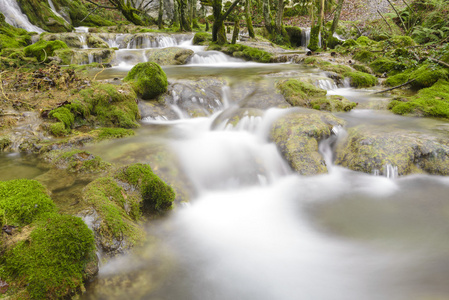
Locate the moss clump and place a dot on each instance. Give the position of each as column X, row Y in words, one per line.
column 401, row 41
column 4, row 143
column 114, row 133
column 299, row 93
column 202, row 38
column 364, row 56
column 365, row 41
column 244, row 52
column 52, row 260
column 339, row 69
column 349, row 43
column 148, row 80
column 332, row 103
column 12, row 37
column 43, row 49
column 427, row 75
column 362, row 68
column 81, row 161
column 359, row 79
column 23, row 201
column 64, row 116
column 431, row 102
column 386, row 65
column 157, row 195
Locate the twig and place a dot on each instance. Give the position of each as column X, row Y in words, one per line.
column 1, row 86
column 396, row 87
column 101, row 6
column 89, row 14
column 99, row 72
column 439, row 62
column 391, row 29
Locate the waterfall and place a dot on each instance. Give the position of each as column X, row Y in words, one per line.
column 326, row 146
column 52, row 6
column 14, row 16
column 305, row 37
column 83, row 41
column 213, row 58
column 326, row 84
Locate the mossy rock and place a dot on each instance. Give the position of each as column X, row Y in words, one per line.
column 369, row 149
column 94, row 41
column 113, row 133
column 71, row 39
column 362, row 68
column 427, row 75
column 148, row 80
column 297, row 136
column 429, row 102
column 12, row 37
column 359, row 79
column 295, row 35
column 40, row 14
column 364, row 56
column 350, row 43
column 23, row 201
column 365, row 41
column 117, row 209
column 245, row 52
column 400, row 41
column 386, row 65
column 313, row 43
column 169, row 56
column 202, row 38
column 51, row 263
column 332, row 103
column 5, row 142
column 157, row 195
column 299, row 93
column 79, row 161
column 43, row 49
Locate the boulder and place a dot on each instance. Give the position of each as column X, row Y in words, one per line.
column 297, row 135
column 148, row 80
column 169, row 56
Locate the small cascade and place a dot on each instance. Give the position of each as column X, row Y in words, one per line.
column 335, row 35
column 14, row 16
column 213, row 58
column 388, row 171
column 326, row 146
column 326, row 84
column 52, row 6
column 305, row 37
column 90, row 57
column 83, row 41
column 152, row 41
column 82, row 29
column 346, row 82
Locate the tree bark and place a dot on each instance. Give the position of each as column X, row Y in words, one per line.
column 266, row 16
column 160, row 15
column 279, row 16
column 235, row 33
column 336, row 16
column 249, row 21
column 218, row 28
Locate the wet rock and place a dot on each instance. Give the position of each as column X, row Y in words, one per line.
column 259, row 95
column 369, row 149
column 71, row 39
column 297, row 135
column 239, row 118
column 87, row 56
column 169, row 56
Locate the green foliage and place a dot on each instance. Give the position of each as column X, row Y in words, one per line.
column 157, row 195
column 244, row 52
column 147, row 79
column 359, row 79
column 386, row 65
column 23, row 201
column 43, row 49
column 430, row 102
column 365, row 41
column 51, row 261
column 202, row 38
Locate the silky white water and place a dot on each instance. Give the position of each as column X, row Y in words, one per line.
column 14, row 16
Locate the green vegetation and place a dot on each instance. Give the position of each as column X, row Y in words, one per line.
column 80, row 161
column 12, row 37
column 294, row 34
column 386, row 65
column 157, row 195
column 202, row 38
column 114, row 133
column 313, row 44
column 430, row 102
column 244, row 52
column 43, row 49
column 359, row 79
column 148, row 80
column 364, row 56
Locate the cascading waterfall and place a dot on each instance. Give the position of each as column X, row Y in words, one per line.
column 52, row 6
column 14, row 16
column 213, row 58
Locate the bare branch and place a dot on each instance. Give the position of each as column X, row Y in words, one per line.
column 226, row 14
column 101, row 6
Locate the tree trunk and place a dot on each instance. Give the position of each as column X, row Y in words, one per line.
column 279, row 16
column 218, row 29
column 184, row 24
column 161, row 13
column 320, row 22
column 235, row 33
column 175, row 14
column 266, row 16
column 337, row 16
column 128, row 12
column 249, row 21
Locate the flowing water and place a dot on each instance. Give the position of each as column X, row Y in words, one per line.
column 14, row 16
column 254, row 229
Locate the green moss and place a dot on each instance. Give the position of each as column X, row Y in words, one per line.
column 58, row 129
column 52, row 260
column 157, row 195
column 386, row 65
column 427, row 75
column 298, row 93
column 313, row 44
column 362, row 68
column 245, row 52
column 349, row 43
column 43, row 49
column 23, row 201
column 64, row 115
column 12, row 37
column 202, row 38
column 365, row 41
column 294, row 34
column 4, row 142
column 332, row 103
column 364, row 56
column 114, row 133
column 401, row 41
column 359, row 79
column 81, row 161
column 340, row 69
column 431, row 102
column 40, row 14
column 148, row 80
column 332, row 42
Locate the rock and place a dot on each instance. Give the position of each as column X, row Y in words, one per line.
column 169, row 56
column 368, row 149
column 87, row 56
column 71, row 39
column 147, row 79
column 297, row 135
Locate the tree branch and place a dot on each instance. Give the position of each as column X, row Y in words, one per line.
column 396, row 87
column 226, row 14
column 101, row 6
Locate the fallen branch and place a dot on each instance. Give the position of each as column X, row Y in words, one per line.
column 1, row 86
column 439, row 62
column 397, row 13
column 101, row 6
column 391, row 29
column 395, row 87
column 89, row 14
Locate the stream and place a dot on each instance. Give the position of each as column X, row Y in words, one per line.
column 253, row 228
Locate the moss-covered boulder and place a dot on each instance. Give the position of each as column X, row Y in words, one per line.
column 148, row 80
column 5, row 142
column 202, row 38
column 157, row 195
column 169, row 56
column 87, row 56
column 364, row 56
column 295, row 35
column 42, row 50
column 386, row 65
column 365, row 41
column 244, row 52
column 359, row 79
column 424, row 76
column 429, row 102
column 71, row 39
column 371, row 149
column 297, row 135
column 77, row 161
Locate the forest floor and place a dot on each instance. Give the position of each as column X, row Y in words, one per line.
column 353, row 10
